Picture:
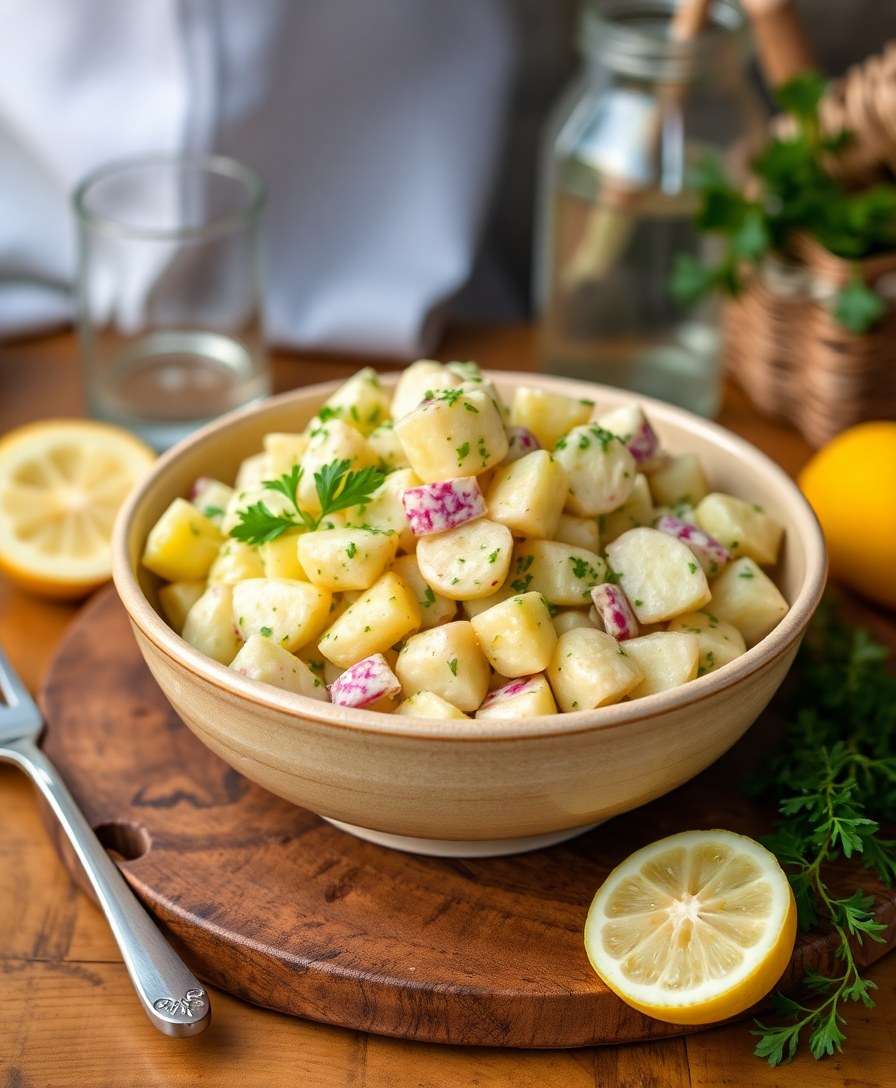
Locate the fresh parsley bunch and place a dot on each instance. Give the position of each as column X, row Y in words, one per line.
column 337, row 487
column 797, row 194
column 834, row 777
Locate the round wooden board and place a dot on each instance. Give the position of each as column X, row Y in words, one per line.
column 276, row 906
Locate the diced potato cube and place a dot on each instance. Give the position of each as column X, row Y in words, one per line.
column 346, row 558
column 361, row 401
column 176, row 600
column 719, row 642
column 747, row 598
column 580, row 532
column 282, row 451
column 601, row 470
column 528, row 495
column 529, row 697
column 331, row 441
column 235, row 562
column 742, row 527
column 480, row 604
column 262, row 659
column 182, row 545
column 209, row 625
column 291, row 613
column 633, row 427
column 563, row 574
column 517, row 636
column 210, row 497
column 446, row 660
column 590, row 669
column 280, row 557
column 547, row 415
column 426, row 704
column 637, row 510
column 365, row 683
column 454, row 433
column 659, row 574
column 570, row 619
column 379, row 618
column 467, row 562
column 424, row 376
column 251, row 472
column 678, row 480
column 385, row 510
column 386, row 445
column 434, row 608
column 324, row 670
column 666, row 658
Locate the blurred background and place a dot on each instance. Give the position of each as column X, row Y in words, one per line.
column 399, row 141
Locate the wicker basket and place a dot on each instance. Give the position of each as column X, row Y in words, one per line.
column 784, row 347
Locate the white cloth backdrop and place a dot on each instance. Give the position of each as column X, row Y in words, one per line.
column 377, row 125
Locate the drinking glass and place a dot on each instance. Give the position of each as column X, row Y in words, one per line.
column 169, row 292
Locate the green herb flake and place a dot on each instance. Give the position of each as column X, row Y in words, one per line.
column 452, row 664
column 351, row 550
column 692, row 567
column 266, row 631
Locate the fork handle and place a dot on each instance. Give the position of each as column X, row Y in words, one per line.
column 174, row 1000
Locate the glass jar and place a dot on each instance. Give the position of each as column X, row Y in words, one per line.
column 616, row 204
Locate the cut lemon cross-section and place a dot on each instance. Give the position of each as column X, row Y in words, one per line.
column 694, row 928
column 61, row 484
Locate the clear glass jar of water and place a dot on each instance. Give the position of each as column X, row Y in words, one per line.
column 170, row 292
column 616, row 202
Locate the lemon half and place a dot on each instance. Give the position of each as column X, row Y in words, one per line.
column 694, row 928
column 61, row 485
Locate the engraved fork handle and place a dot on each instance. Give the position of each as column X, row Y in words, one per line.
column 173, row 999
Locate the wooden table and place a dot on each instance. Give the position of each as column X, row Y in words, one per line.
column 67, row 1013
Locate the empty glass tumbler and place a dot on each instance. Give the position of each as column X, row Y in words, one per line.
column 169, row 292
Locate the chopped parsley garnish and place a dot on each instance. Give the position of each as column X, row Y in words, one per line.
column 692, row 567
column 429, row 598
column 213, row 511
column 351, row 549
column 266, row 631
column 462, row 451
column 338, row 487
column 452, row 664
column 745, row 573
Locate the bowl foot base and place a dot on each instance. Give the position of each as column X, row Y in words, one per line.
column 461, row 848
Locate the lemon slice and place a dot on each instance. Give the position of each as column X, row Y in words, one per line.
column 61, row 484
column 694, row 928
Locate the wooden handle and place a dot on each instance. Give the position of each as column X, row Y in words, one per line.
column 784, row 50
column 689, row 19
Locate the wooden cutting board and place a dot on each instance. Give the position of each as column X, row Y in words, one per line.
column 276, row 906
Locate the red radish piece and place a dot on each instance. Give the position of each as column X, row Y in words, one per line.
column 633, row 427
column 515, row 687
column 709, row 553
column 435, row 508
column 614, row 611
column 520, row 442
column 365, row 682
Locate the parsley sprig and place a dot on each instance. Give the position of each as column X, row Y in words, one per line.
column 797, row 193
column 338, row 487
column 835, row 779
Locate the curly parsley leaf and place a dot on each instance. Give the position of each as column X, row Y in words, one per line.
column 337, row 487
column 834, row 778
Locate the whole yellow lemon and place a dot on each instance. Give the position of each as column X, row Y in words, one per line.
column 851, row 484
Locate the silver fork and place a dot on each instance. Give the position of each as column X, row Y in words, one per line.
column 175, row 1002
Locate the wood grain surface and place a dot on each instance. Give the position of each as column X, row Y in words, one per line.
column 67, row 1014
column 274, row 905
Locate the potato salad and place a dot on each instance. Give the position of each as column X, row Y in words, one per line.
column 438, row 552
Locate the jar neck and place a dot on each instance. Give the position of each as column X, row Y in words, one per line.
column 631, row 38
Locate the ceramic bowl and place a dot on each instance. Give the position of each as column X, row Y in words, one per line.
column 468, row 787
